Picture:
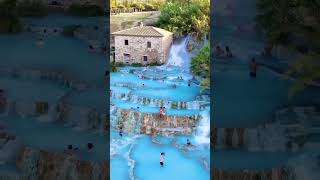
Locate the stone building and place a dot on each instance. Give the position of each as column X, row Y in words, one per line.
column 142, row 44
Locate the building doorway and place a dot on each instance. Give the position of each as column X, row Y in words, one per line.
column 145, row 58
column 126, row 58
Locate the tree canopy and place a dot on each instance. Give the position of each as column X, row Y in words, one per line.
column 295, row 24
column 190, row 17
column 9, row 18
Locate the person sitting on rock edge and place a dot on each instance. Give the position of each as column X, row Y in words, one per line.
column 164, row 111
column 161, row 112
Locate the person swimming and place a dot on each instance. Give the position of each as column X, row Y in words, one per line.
column 188, row 142
column 218, row 51
column 253, row 68
column 90, row 47
column 89, row 147
column 120, row 132
column 162, row 156
column 40, row 42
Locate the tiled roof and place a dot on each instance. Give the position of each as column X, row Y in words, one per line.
column 143, row 31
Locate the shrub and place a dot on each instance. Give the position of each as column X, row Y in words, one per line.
column 32, row 8
column 136, row 64
column 85, row 10
column 154, row 64
column 113, row 66
column 119, row 64
column 9, row 19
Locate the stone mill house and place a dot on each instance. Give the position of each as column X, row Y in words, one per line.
column 142, row 44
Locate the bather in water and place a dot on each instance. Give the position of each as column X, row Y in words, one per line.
column 253, row 68
column 228, row 51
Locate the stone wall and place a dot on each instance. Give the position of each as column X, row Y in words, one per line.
column 247, row 174
column 166, row 45
column 137, row 48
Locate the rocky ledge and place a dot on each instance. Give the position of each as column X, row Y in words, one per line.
column 44, row 165
column 247, row 174
column 149, row 123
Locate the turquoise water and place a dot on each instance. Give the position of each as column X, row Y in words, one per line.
column 56, row 137
column 35, row 90
column 240, row 101
column 136, row 156
column 67, row 55
column 177, row 165
column 95, row 98
column 246, row 102
column 63, row 55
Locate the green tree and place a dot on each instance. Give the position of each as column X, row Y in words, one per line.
column 183, row 18
column 296, row 25
column 200, row 66
column 9, row 19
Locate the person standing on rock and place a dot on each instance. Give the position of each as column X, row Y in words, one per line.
column 229, row 54
column 164, row 111
column 161, row 112
column 162, row 155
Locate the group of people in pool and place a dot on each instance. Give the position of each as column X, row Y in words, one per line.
column 71, row 149
column 219, row 52
column 162, row 154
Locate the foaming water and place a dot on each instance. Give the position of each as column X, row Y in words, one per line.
column 179, row 56
column 202, row 135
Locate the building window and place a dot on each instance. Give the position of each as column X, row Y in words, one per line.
column 126, row 42
column 149, row 44
column 145, row 58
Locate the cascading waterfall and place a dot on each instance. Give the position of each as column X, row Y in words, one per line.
column 138, row 124
column 202, row 135
column 178, row 55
